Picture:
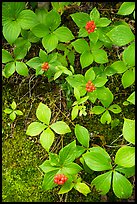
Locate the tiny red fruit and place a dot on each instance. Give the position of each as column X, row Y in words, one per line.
column 90, row 86
column 90, row 26
column 45, row 66
column 60, row 179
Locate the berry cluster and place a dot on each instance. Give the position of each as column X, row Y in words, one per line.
column 45, row 66
column 60, row 179
column 90, row 26
column 90, row 86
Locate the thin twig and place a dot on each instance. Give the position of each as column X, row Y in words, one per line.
column 116, row 139
column 66, row 197
column 27, row 92
column 113, row 146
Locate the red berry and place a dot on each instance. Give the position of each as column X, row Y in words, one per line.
column 65, row 179
column 62, row 179
column 90, row 26
column 45, row 66
column 60, row 182
column 55, row 180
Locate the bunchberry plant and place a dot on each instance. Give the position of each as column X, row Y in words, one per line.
column 44, row 128
column 13, row 64
column 78, row 106
column 48, row 29
column 60, row 169
column 13, row 112
column 97, row 159
column 14, row 18
column 106, row 117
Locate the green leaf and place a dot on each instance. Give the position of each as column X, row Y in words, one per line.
column 121, row 35
column 18, row 112
column 43, row 55
column 40, row 30
column 54, row 159
column 76, row 80
column 127, row 171
column 27, row 19
column 9, row 31
column 129, row 130
column 32, row 38
column 83, row 100
column 68, row 153
column 6, row 56
column 128, row 78
column 94, row 37
column 105, row 96
column 82, row 32
column 68, row 185
column 94, row 15
column 20, row 52
column 100, row 56
column 76, row 93
column 121, row 186
column 79, row 150
column 131, row 98
column 80, row 18
column 97, row 159
column 92, row 96
column 119, row 66
column 100, row 81
column 103, row 37
column 82, row 188
column 22, row 43
column 57, row 74
column 48, row 181
column 60, row 127
column 90, row 74
column 115, row 108
column 129, row 55
column 126, row 8
column 35, row 128
column 21, row 68
column 128, row 153
column 8, row 110
column 53, row 20
column 103, row 22
column 12, row 116
column 74, row 112
column 50, row 42
column 114, row 123
column 34, row 62
column 63, row 34
column 47, row 167
column 71, row 168
column 47, row 139
column 103, row 182
column 43, row 113
column 106, row 117
column 71, row 57
column 82, row 135
column 80, row 45
column 11, row 10
column 41, row 15
column 13, row 105
column 97, row 110
column 9, row 69
column 86, row 59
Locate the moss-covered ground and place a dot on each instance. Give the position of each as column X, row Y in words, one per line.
column 22, row 155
